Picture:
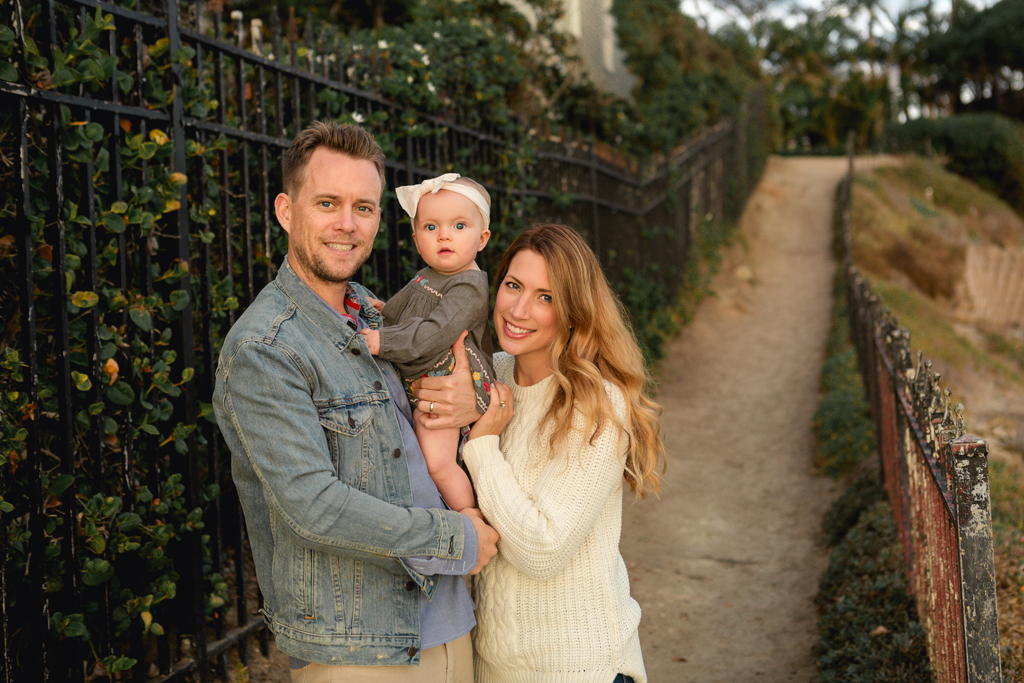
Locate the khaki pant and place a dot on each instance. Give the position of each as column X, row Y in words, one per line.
column 448, row 663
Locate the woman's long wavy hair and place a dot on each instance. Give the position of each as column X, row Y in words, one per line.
column 593, row 343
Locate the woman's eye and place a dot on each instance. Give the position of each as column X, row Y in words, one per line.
column 460, row 226
column 546, row 298
column 512, row 285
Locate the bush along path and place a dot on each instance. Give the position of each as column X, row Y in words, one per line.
column 726, row 564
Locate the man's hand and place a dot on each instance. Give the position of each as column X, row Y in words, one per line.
column 376, row 303
column 448, row 401
column 372, row 340
column 486, row 539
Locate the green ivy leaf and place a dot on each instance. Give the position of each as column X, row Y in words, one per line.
column 118, row 207
column 6, row 34
column 60, row 483
column 142, row 318
column 121, row 393
column 97, row 571
column 93, row 132
column 179, row 299
column 128, row 521
column 8, row 72
column 114, row 223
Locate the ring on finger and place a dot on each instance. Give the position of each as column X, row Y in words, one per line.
column 502, row 404
column 431, row 409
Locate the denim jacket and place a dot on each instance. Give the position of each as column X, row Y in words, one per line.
column 319, row 465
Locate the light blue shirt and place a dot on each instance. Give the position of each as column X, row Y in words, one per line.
column 449, row 615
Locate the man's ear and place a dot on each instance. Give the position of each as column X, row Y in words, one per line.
column 283, row 209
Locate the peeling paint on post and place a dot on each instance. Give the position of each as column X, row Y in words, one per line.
column 977, row 569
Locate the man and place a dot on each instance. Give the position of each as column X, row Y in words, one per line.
column 359, row 561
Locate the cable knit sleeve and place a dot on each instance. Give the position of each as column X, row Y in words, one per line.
column 543, row 525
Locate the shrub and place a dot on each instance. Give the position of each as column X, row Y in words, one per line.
column 986, row 148
column 868, row 629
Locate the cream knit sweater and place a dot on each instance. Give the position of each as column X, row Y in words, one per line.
column 554, row 604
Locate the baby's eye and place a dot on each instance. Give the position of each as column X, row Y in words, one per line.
column 430, row 227
column 460, row 226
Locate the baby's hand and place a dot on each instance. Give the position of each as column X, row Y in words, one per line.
column 372, row 340
column 376, row 303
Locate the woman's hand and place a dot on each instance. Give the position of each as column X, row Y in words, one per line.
column 499, row 412
column 448, row 401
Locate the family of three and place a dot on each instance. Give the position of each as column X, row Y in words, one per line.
column 362, row 525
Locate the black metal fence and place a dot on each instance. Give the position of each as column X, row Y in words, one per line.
column 139, row 153
column 936, row 478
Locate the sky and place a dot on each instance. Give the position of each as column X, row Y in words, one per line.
column 717, row 18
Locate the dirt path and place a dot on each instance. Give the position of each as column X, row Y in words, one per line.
column 726, row 564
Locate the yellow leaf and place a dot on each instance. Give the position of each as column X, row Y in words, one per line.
column 147, row 619
column 172, row 205
column 158, row 136
column 178, row 178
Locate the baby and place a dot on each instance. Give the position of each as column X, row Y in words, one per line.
column 450, row 219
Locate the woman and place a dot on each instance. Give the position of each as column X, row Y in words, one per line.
column 554, row 604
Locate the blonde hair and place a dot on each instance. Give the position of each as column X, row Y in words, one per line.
column 469, row 182
column 593, row 343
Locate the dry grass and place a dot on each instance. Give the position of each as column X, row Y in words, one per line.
column 910, row 227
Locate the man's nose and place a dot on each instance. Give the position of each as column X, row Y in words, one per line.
column 345, row 222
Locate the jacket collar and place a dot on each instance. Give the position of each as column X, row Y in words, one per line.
column 317, row 310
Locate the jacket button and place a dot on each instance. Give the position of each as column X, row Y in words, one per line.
column 397, row 453
column 410, row 585
column 378, row 386
column 356, row 352
column 412, row 652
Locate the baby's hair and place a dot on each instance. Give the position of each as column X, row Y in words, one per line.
column 469, row 182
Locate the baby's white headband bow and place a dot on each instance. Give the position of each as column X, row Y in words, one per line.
column 409, row 195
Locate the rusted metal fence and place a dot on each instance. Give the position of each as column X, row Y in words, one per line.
column 936, row 478
column 109, row 286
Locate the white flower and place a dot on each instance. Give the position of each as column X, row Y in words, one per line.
column 382, row 44
column 357, row 117
column 437, row 35
column 431, row 88
column 409, row 79
column 426, row 60
column 417, row 47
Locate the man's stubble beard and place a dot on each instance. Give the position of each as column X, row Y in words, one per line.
column 315, row 266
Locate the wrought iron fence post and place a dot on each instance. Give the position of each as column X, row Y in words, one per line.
column 977, row 568
column 193, row 593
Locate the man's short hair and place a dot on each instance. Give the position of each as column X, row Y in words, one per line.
column 348, row 139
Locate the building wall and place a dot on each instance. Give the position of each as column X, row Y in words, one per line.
column 591, row 22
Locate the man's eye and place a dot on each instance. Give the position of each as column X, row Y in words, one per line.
column 326, row 205
column 460, row 226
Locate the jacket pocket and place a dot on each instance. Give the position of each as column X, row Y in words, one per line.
column 346, row 427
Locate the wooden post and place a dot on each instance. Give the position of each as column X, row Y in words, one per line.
column 977, row 569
